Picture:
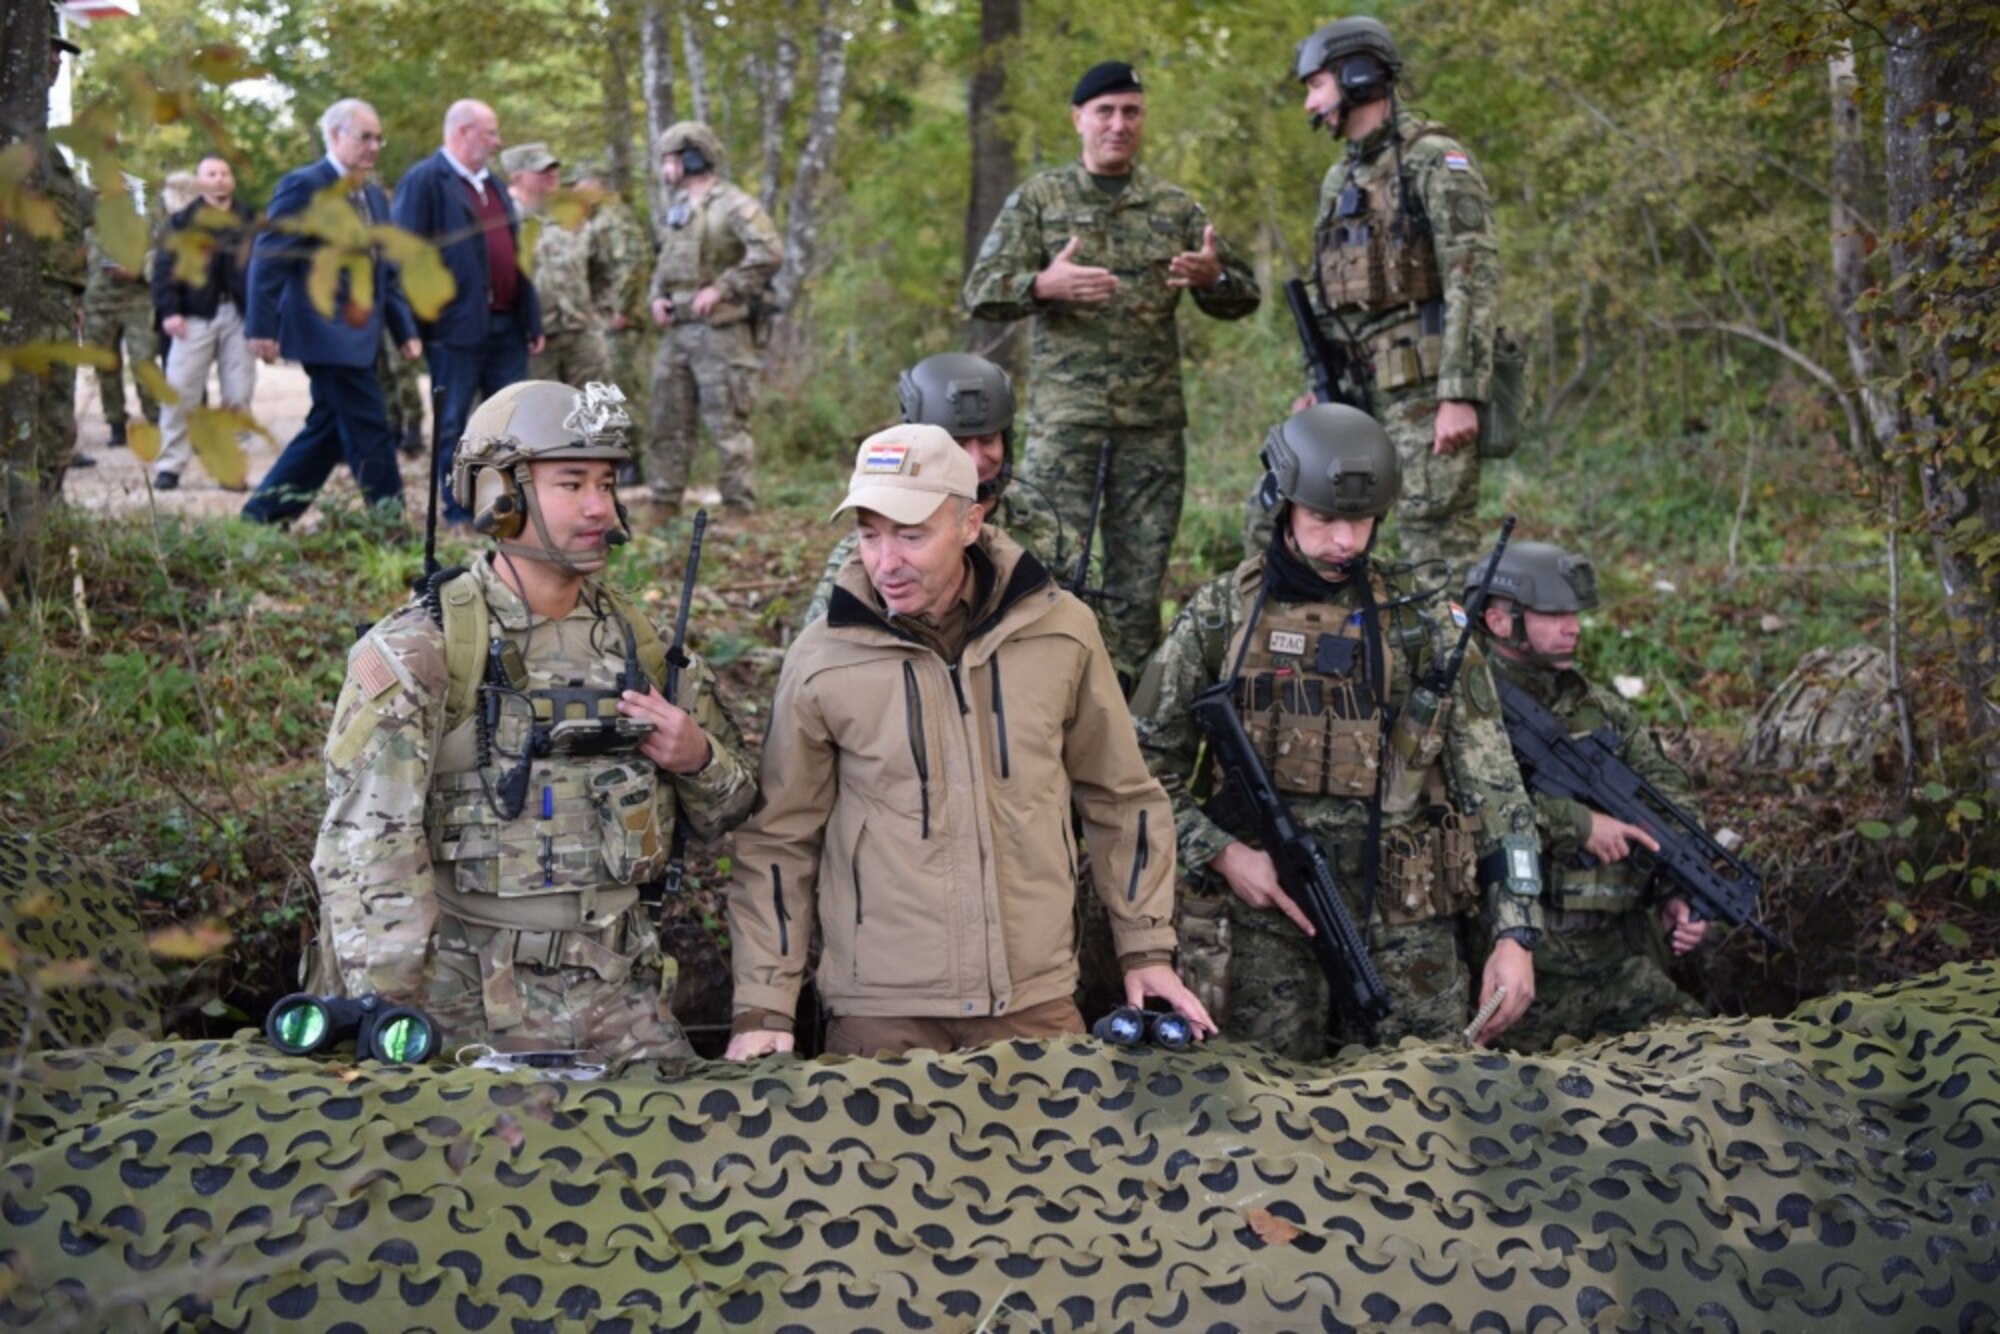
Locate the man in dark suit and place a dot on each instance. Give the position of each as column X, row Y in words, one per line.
column 348, row 419
column 480, row 342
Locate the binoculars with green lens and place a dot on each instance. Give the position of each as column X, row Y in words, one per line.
column 302, row 1024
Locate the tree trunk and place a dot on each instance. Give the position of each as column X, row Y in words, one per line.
column 619, row 30
column 656, row 70
column 695, row 60
column 1938, row 93
column 1850, row 255
column 24, row 105
column 994, row 174
column 829, row 87
column 777, row 79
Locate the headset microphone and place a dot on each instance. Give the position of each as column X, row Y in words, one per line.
column 1317, row 119
column 617, row 537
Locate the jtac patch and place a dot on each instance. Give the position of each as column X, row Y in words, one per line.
column 885, row 458
column 1455, row 161
column 1288, row 643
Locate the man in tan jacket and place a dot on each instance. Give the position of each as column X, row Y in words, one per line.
column 926, row 744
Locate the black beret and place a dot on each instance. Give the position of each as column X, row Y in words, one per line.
column 1113, row 76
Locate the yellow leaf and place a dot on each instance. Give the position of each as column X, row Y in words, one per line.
column 1271, row 1229
column 154, row 381
column 360, row 288
column 189, row 943
column 570, row 209
column 524, row 249
column 225, row 63
column 191, row 248
column 121, row 231
column 144, row 439
column 64, row 973
column 20, row 203
column 426, row 281
column 213, row 432
column 330, row 218
column 37, row 358
column 323, row 280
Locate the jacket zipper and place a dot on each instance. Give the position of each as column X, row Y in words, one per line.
column 1000, row 717
column 913, row 716
column 854, row 867
column 958, row 689
column 1139, row 859
column 784, row 918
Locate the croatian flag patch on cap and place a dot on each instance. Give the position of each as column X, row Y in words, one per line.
column 885, row 458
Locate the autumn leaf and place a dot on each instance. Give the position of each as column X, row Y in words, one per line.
column 143, row 437
column 426, row 281
column 38, row 358
column 188, row 943
column 191, row 247
column 1271, row 1229
column 20, row 203
column 154, row 381
column 214, row 432
column 65, row 973
column 225, row 63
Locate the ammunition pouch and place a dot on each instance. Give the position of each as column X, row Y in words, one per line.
column 1427, row 870
column 1500, row 416
column 1415, row 745
column 1404, row 354
column 1369, row 262
column 1206, row 949
column 610, row 953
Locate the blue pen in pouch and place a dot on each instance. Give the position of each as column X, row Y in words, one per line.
column 548, row 844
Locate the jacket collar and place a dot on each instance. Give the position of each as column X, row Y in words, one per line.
column 1558, row 688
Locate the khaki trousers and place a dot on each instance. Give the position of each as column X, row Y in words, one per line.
column 217, row 342
column 874, row 1035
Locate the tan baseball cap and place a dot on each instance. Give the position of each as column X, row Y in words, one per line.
column 528, row 157
column 907, row 471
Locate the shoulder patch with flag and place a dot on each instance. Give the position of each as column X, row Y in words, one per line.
column 888, row 457
column 1457, row 161
column 1458, row 615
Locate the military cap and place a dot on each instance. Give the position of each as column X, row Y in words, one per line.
column 907, row 471
column 1111, row 76
column 528, row 157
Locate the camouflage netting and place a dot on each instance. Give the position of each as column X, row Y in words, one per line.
column 1837, row 1166
column 73, row 962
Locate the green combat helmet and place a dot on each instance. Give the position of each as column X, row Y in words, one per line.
column 1334, row 460
column 1537, row 576
column 1330, row 46
column 699, row 148
column 967, row 395
column 523, row 423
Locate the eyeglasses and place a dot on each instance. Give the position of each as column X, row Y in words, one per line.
column 372, row 140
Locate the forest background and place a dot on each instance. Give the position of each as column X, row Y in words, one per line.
column 1751, row 247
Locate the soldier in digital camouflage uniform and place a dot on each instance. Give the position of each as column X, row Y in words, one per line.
column 973, row 399
column 1407, row 274
column 1321, row 655
column 568, row 272
column 462, row 866
column 1097, row 254
column 619, row 286
column 118, row 316
column 718, row 253
column 1601, row 968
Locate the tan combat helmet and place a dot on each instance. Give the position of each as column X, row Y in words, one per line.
column 523, row 423
column 699, row 147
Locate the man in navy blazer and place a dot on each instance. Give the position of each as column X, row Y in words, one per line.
column 349, row 418
column 480, row 342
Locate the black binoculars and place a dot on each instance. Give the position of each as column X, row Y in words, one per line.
column 1129, row 1027
column 303, row 1023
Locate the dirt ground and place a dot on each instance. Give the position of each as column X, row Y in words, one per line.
column 117, row 484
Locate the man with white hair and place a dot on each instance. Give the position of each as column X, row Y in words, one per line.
column 480, row 342
column 336, row 345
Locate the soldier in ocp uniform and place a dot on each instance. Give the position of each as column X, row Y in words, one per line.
column 718, row 253
column 1406, row 267
column 118, row 316
column 1324, row 653
column 503, row 772
column 973, row 399
column 1601, row 968
column 619, row 287
column 567, row 273
column 1097, row 254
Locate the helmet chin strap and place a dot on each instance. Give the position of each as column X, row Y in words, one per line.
column 1331, row 570
column 569, row 562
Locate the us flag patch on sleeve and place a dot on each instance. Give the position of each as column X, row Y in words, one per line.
column 372, row 671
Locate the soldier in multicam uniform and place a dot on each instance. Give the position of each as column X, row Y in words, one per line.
column 624, row 264
column 718, row 251
column 118, row 316
column 1323, row 653
column 1601, row 968
column 567, row 274
column 973, row 399
column 503, row 772
column 1407, row 274
column 1097, row 254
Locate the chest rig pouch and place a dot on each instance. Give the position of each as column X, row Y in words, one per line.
column 557, row 799
column 1306, row 701
column 1371, row 251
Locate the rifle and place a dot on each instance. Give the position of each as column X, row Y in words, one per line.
column 1079, row 580
column 1330, row 364
column 1302, row 867
column 672, row 880
column 1718, row 884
